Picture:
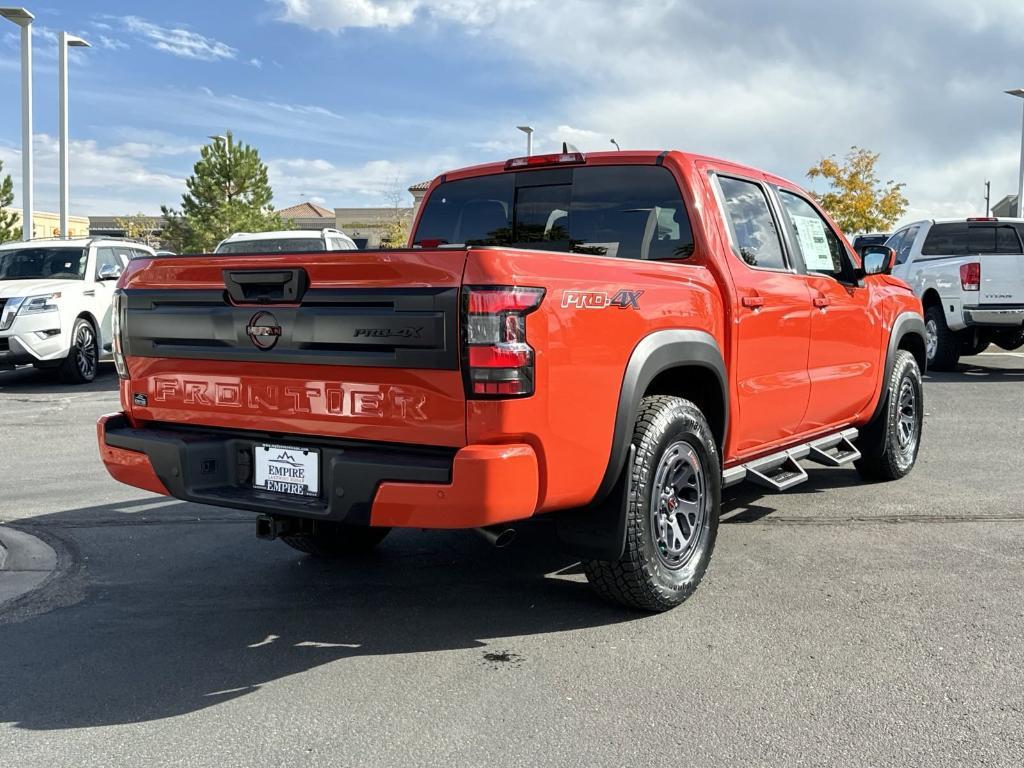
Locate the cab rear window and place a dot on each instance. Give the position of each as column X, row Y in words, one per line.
column 964, row 238
column 624, row 211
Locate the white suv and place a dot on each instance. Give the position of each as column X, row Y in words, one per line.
column 969, row 274
column 55, row 302
column 287, row 241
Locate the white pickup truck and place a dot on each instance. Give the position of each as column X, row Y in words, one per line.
column 969, row 275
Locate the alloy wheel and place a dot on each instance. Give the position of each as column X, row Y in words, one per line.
column 85, row 351
column 679, row 502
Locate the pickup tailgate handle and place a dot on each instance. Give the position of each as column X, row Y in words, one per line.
column 265, row 286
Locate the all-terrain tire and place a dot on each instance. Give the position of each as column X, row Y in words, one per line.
column 944, row 354
column 82, row 362
column 336, row 540
column 889, row 445
column 652, row 575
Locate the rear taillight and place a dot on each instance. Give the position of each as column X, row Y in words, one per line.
column 497, row 360
column 970, row 276
column 117, row 328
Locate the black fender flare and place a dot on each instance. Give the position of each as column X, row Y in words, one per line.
column 905, row 324
column 657, row 352
column 598, row 530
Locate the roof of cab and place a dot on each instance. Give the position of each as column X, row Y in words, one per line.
column 625, row 157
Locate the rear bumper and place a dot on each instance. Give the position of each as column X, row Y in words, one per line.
column 996, row 316
column 361, row 483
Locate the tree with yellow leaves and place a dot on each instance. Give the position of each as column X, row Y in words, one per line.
column 856, row 200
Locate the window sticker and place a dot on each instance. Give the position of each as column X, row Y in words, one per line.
column 813, row 242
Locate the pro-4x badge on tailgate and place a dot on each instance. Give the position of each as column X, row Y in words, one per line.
column 600, row 300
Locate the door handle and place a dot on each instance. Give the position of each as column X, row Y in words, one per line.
column 752, row 302
column 89, row 292
column 822, row 301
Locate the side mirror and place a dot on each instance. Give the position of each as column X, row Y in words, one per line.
column 109, row 272
column 878, row 260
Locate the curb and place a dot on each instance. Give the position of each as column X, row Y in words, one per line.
column 25, row 563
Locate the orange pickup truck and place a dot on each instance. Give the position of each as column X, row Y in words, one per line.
column 605, row 339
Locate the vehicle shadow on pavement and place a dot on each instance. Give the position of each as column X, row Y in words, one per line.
column 976, row 373
column 35, row 382
column 176, row 614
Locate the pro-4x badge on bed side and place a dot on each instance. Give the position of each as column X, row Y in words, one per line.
column 600, row 300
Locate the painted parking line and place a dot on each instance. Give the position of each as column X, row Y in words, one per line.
column 1001, row 354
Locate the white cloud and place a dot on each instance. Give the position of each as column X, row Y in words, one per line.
column 111, row 43
column 179, row 41
column 338, row 15
column 103, row 179
column 368, row 183
column 776, row 85
column 258, row 63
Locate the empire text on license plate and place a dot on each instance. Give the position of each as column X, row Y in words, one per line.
column 285, row 469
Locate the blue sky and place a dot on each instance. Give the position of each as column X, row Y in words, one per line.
column 345, row 99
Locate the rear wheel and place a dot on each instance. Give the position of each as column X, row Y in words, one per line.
column 335, row 540
column 1010, row 340
column 671, row 509
column 941, row 344
column 80, row 366
column 889, row 445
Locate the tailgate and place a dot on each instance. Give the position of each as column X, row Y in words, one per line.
column 357, row 344
column 1002, row 278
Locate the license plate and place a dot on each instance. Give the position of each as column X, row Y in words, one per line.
column 285, row 469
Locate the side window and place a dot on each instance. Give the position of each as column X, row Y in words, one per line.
column 751, row 226
column 106, row 256
column 124, row 255
column 906, row 244
column 1007, row 240
column 820, row 247
column 896, row 240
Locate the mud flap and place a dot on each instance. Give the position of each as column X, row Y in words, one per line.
column 598, row 531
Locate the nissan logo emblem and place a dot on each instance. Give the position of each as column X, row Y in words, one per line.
column 263, row 330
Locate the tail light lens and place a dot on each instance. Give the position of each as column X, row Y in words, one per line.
column 497, row 360
column 117, row 327
column 970, row 276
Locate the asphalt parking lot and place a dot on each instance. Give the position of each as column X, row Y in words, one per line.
column 840, row 623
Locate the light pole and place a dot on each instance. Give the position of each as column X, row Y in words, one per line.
column 529, row 138
column 66, row 41
column 617, row 147
column 1019, row 92
column 23, row 19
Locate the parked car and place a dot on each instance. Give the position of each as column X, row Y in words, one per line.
column 55, row 302
column 287, row 241
column 969, row 274
column 860, row 242
column 608, row 339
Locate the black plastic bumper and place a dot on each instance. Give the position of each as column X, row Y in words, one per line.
column 214, row 466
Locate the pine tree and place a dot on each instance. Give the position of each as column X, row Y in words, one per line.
column 8, row 230
column 228, row 192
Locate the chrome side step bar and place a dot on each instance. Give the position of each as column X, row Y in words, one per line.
column 781, row 471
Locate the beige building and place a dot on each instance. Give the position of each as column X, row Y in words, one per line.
column 45, row 224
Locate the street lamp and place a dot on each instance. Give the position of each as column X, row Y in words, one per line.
column 1019, row 92
column 617, row 147
column 23, row 19
column 529, row 138
column 66, row 41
